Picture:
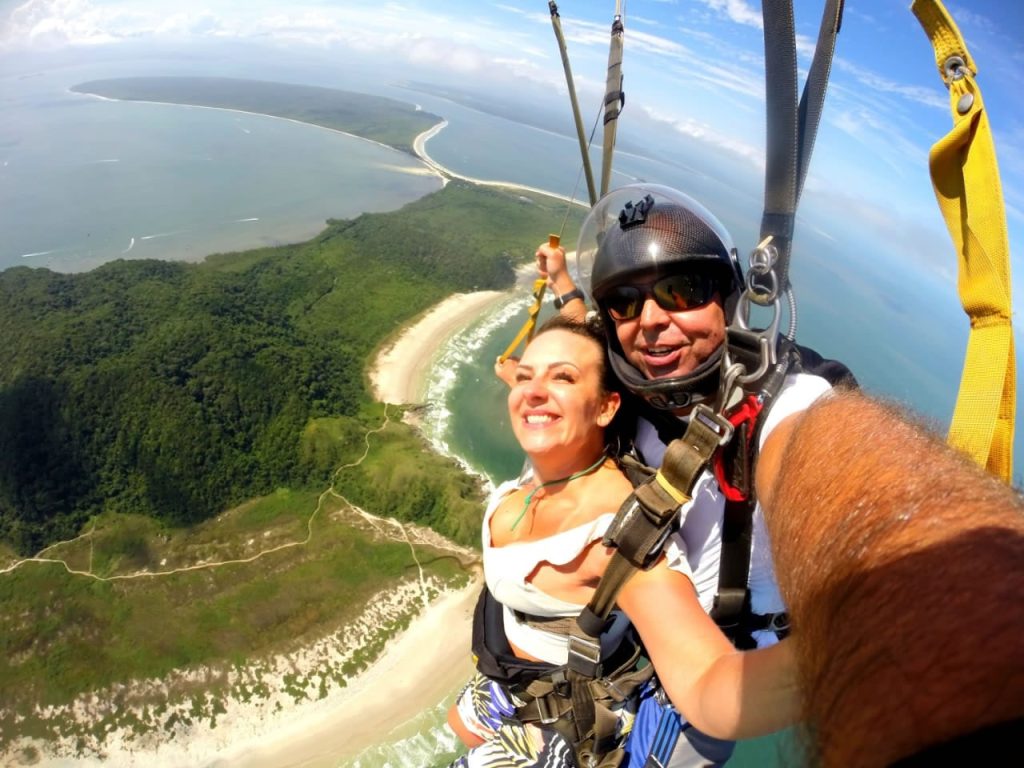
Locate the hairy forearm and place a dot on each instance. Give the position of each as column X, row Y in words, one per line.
column 575, row 310
column 902, row 564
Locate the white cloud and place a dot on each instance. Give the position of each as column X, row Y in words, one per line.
column 929, row 97
column 48, row 23
column 883, row 142
column 738, row 11
column 736, row 79
column 703, row 132
column 634, row 19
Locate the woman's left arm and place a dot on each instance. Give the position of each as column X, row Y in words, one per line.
column 725, row 693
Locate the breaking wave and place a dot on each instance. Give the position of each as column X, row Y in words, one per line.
column 430, row 744
column 455, row 356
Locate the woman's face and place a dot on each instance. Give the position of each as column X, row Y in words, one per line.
column 556, row 404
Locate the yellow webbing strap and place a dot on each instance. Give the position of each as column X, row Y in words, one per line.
column 966, row 180
column 526, row 332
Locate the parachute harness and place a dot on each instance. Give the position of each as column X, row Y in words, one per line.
column 752, row 373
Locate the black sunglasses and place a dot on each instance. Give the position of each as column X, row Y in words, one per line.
column 674, row 293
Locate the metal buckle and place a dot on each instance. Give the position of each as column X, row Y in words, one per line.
column 584, row 656
column 716, row 422
column 779, row 622
column 544, row 712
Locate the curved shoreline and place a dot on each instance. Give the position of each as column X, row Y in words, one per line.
column 398, row 374
column 237, row 111
column 418, row 145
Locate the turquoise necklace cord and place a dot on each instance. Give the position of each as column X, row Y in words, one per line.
column 573, row 476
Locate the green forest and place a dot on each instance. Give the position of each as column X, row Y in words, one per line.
column 177, row 390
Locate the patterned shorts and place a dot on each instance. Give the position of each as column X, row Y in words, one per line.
column 485, row 708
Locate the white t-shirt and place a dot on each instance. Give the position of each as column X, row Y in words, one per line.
column 702, row 517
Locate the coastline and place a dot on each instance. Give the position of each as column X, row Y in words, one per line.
column 417, row 670
column 418, row 146
column 399, row 373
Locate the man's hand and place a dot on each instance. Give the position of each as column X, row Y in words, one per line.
column 551, row 265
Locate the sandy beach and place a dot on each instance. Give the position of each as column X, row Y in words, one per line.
column 418, row 670
column 399, row 373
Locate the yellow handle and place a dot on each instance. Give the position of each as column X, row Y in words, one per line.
column 526, row 332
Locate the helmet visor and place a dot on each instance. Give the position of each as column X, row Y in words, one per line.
column 615, row 241
column 673, row 293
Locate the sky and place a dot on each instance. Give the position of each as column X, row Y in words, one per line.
column 693, row 72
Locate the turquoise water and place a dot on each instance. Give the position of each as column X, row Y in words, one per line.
column 426, row 742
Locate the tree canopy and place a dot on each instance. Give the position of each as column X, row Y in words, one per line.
column 176, row 390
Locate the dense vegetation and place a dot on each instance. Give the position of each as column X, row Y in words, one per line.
column 372, row 117
column 176, row 390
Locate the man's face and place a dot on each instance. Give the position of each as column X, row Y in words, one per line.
column 664, row 343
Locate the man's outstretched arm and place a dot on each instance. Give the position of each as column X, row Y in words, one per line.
column 902, row 564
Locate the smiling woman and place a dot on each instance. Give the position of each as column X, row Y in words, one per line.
column 544, row 559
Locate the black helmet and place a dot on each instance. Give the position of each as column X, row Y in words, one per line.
column 650, row 229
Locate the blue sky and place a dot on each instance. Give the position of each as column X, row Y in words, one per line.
column 693, row 69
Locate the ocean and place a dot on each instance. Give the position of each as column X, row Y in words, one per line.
column 84, row 181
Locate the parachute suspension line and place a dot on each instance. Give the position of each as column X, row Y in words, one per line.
column 576, row 186
column 556, row 23
column 791, row 129
column 965, row 176
column 525, row 333
column 614, row 98
column 613, row 102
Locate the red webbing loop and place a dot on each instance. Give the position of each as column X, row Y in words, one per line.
column 745, row 413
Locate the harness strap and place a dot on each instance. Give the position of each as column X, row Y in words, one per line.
column 558, row 625
column 526, row 332
column 739, row 486
column 638, row 534
column 557, row 699
column 733, row 599
column 965, row 176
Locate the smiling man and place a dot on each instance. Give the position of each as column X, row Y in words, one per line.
column 665, row 278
